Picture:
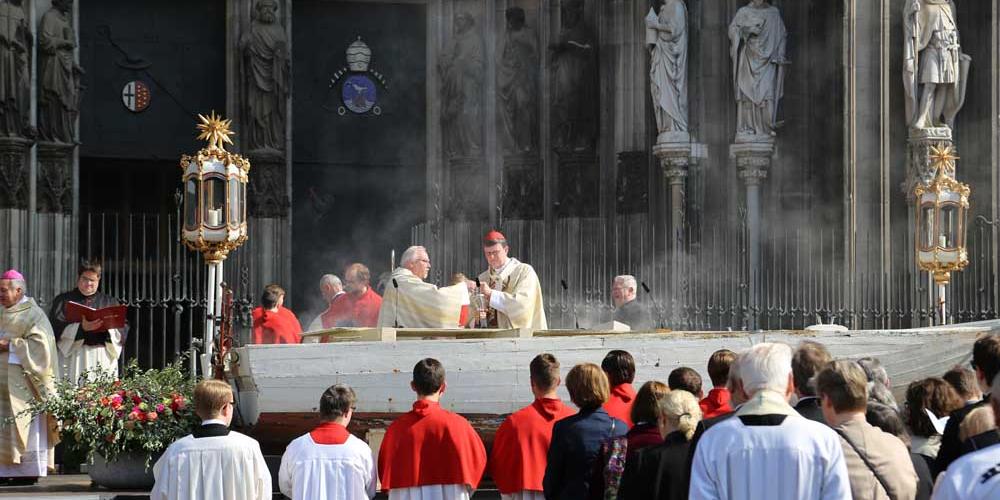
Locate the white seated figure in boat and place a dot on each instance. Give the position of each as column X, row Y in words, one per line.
column 410, row 302
column 510, row 287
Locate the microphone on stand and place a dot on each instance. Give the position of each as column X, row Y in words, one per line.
column 576, row 320
column 395, row 305
column 659, row 312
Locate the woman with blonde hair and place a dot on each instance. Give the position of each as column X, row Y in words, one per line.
column 657, row 472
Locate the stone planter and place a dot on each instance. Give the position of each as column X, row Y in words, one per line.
column 127, row 473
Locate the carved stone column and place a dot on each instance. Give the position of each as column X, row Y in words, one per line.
column 55, row 239
column 675, row 158
column 259, row 100
column 14, row 200
column 753, row 160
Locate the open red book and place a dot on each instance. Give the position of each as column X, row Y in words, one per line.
column 112, row 316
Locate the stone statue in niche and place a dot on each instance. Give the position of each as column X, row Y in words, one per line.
column 58, row 75
column 574, row 80
column 934, row 68
column 15, row 76
column 462, row 81
column 265, row 69
column 757, row 47
column 517, row 85
column 667, row 38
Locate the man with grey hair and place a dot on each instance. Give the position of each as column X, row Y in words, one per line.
column 329, row 462
column 29, row 372
column 768, row 450
column 628, row 310
column 332, row 290
column 410, row 302
column 975, row 475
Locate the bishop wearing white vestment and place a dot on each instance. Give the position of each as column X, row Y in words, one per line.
column 410, row 302
column 212, row 462
column 329, row 462
column 28, row 370
column 511, row 287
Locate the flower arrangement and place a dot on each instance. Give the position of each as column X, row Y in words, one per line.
column 143, row 410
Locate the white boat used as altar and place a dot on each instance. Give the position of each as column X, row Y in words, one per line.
column 487, row 370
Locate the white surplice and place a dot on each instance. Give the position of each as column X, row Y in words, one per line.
column 327, row 471
column 432, row 492
column 223, row 467
column 77, row 358
column 797, row 459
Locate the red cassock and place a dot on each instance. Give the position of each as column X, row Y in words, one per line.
column 619, row 405
column 521, row 445
column 430, row 445
column 350, row 310
column 281, row 327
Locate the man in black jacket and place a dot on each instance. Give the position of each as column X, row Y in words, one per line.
column 986, row 362
column 808, row 360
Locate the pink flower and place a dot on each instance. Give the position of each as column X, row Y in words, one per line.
column 159, row 408
column 151, row 416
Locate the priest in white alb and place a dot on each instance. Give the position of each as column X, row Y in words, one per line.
column 510, row 287
column 212, row 461
column 329, row 462
column 410, row 302
column 28, row 369
column 87, row 345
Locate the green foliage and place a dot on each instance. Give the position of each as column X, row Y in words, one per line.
column 143, row 410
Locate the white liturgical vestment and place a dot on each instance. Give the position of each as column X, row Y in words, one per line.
column 752, row 455
column 414, row 303
column 974, row 476
column 229, row 467
column 327, row 471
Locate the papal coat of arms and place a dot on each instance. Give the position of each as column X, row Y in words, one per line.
column 359, row 84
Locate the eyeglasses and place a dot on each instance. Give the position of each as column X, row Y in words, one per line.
column 425, row 261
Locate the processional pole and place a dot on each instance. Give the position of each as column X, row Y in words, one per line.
column 215, row 219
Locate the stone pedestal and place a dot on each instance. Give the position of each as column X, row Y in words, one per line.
column 753, row 160
column 919, row 167
column 14, row 200
column 677, row 154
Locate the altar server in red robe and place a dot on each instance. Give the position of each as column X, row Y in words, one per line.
column 430, row 453
column 272, row 322
column 517, row 462
column 620, row 368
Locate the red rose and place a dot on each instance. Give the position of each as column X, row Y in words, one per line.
column 136, row 399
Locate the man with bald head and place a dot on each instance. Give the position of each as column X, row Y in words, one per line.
column 28, row 369
column 410, row 302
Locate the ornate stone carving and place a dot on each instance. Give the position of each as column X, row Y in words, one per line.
column 935, row 71
column 753, row 160
column 757, row 47
column 15, row 73
column 574, row 82
column 14, row 172
column 468, row 185
column 462, row 81
column 265, row 73
column 55, row 178
column 267, row 195
column 521, row 194
column 667, row 38
column 58, row 75
column 517, row 85
column 578, row 184
column 633, row 182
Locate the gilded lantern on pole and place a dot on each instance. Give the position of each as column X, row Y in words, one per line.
column 942, row 211
column 215, row 187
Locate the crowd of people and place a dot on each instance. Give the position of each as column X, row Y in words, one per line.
column 779, row 423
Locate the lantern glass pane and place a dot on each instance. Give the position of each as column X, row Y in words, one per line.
column 962, row 227
column 234, row 201
column 926, row 236
column 949, row 226
column 191, row 204
column 215, row 201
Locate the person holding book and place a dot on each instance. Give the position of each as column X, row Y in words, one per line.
column 86, row 345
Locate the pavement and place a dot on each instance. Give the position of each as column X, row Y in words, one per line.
column 79, row 487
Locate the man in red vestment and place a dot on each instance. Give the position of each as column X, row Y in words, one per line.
column 430, row 452
column 620, row 368
column 717, row 401
column 272, row 322
column 359, row 306
column 521, row 446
